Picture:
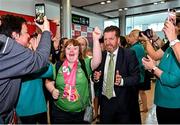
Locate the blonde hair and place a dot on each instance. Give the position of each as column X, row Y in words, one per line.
column 87, row 45
column 136, row 32
column 84, row 38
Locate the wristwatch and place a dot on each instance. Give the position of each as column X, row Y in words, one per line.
column 172, row 43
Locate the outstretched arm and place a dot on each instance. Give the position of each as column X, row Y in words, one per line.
column 154, row 54
column 97, row 55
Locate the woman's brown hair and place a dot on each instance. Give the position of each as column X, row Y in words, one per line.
column 73, row 42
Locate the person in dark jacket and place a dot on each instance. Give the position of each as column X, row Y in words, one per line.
column 119, row 76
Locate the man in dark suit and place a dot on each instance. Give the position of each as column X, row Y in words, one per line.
column 117, row 77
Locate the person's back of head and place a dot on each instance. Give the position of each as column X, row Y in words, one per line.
column 133, row 37
column 10, row 24
column 123, row 41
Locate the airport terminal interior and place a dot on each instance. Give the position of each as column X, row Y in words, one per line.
column 72, row 19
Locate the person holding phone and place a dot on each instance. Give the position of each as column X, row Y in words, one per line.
column 16, row 60
column 157, row 54
column 167, row 87
column 39, row 12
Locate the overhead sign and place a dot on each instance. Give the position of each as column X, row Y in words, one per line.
column 80, row 20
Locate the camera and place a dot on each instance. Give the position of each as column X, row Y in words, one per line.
column 39, row 13
column 148, row 33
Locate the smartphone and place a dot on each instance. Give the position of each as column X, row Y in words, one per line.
column 39, row 12
column 172, row 15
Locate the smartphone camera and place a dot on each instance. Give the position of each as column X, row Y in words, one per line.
column 172, row 15
column 39, row 13
column 148, row 33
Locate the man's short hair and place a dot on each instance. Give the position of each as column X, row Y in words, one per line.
column 111, row 29
column 11, row 23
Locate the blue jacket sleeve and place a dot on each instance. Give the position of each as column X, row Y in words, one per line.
column 16, row 60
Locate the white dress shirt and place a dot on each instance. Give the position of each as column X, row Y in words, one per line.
column 106, row 70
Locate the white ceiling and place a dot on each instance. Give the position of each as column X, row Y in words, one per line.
column 135, row 6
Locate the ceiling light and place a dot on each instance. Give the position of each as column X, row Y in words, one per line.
column 162, row 1
column 108, row 1
column 102, row 3
column 155, row 3
column 120, row 9
column 125, row 8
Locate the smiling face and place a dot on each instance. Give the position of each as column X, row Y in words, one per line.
column 72, row 53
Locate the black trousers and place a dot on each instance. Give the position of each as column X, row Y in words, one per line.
column 40, row 118
column 62, row 117
column 168, row 115
column 112, row 111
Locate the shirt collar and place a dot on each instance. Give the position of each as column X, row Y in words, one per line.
column 115, row 52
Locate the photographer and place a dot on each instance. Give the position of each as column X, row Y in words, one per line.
column 157, row 54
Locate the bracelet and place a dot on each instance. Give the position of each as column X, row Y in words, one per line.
column 173, row 42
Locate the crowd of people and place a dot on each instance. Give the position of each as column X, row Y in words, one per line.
column 38, row 69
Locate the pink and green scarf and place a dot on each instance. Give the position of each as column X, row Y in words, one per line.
column 70, row 91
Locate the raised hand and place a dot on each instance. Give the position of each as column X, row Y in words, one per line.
column 169, row 30
column 45, row 26
column 96, row 34
column 118, row 78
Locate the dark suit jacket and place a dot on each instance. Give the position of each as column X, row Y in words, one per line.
column 127, row 95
